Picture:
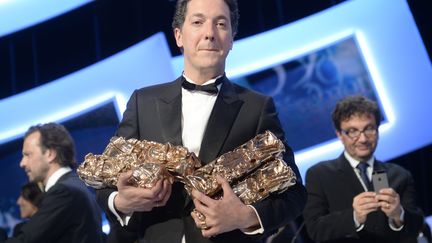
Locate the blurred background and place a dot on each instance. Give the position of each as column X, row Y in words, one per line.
column 77, row 63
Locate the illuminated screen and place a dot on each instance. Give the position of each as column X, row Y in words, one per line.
column 307, row 89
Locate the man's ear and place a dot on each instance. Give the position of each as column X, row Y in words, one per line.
column 339, row 134
column 51, row 155
column 178, row 37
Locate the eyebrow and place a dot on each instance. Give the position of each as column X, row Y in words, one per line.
column 367, row 126
column 200, row 15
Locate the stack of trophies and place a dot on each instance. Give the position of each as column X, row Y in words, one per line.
column 254, row 170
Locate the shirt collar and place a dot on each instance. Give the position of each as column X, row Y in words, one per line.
column 52, row 180
column 208, row 82
column 353, row 162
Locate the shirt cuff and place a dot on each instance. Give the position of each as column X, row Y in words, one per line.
column 123, row 220
column 358, row 226
column 260, row 230
column 401, row 218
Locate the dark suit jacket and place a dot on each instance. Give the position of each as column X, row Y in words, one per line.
column 68, row 213
column 331, row 187
column 154, row 113
column 3, row 234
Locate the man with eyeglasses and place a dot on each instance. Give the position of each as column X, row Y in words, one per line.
column 342, row 204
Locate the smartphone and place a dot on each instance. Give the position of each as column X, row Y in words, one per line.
column 379, row 180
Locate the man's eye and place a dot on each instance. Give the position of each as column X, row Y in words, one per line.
column 196, row 22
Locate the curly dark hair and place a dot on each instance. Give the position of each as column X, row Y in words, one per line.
column 354, row 105
column 181, row 8
column 55, row 136
column 32, row 193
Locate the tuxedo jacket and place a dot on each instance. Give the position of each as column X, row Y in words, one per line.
column 68, row 213
column 154, row 113
column 332, row 186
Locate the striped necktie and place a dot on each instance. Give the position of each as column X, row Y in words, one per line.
column 362, row 166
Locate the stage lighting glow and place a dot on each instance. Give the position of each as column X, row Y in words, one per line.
column 19, row 14
column 62, row 115
column 4, row 2
column 111, row 80
column 374, row 72
column 105, row 227
column 275, row 53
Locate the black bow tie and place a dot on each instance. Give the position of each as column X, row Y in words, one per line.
column 209, row 88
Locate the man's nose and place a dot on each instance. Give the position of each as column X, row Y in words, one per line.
column 22, row 163
column 210, row 32
column 362, row 137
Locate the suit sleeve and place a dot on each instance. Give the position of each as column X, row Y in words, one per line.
column 3, row 234
column 128, row 128
column 278, row 209
column 413, row 215
column 321, row 224
column 52, row 219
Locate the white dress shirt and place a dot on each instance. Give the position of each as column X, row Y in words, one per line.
column 196, row 109
column 52, row 180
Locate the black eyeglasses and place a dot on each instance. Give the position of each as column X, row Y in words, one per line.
column 355, row 133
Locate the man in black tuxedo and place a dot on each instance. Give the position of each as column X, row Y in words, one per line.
column 203, row 111
column 342, row 205
column 68, row 212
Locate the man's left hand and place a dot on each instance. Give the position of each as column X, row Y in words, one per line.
column 390, row 204
column 223, row 215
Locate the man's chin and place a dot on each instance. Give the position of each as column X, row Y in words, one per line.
column 33, row 179
column 364, row 156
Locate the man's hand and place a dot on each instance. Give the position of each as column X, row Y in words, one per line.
column 134, row 199
column 363, row 204
column 390, row 204
column 223, row 215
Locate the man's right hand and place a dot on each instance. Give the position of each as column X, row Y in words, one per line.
column 363, row 204
column 134, row 199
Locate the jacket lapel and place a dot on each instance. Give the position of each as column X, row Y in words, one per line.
column 348, row 175
column 169, row 110
column 220, row 122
